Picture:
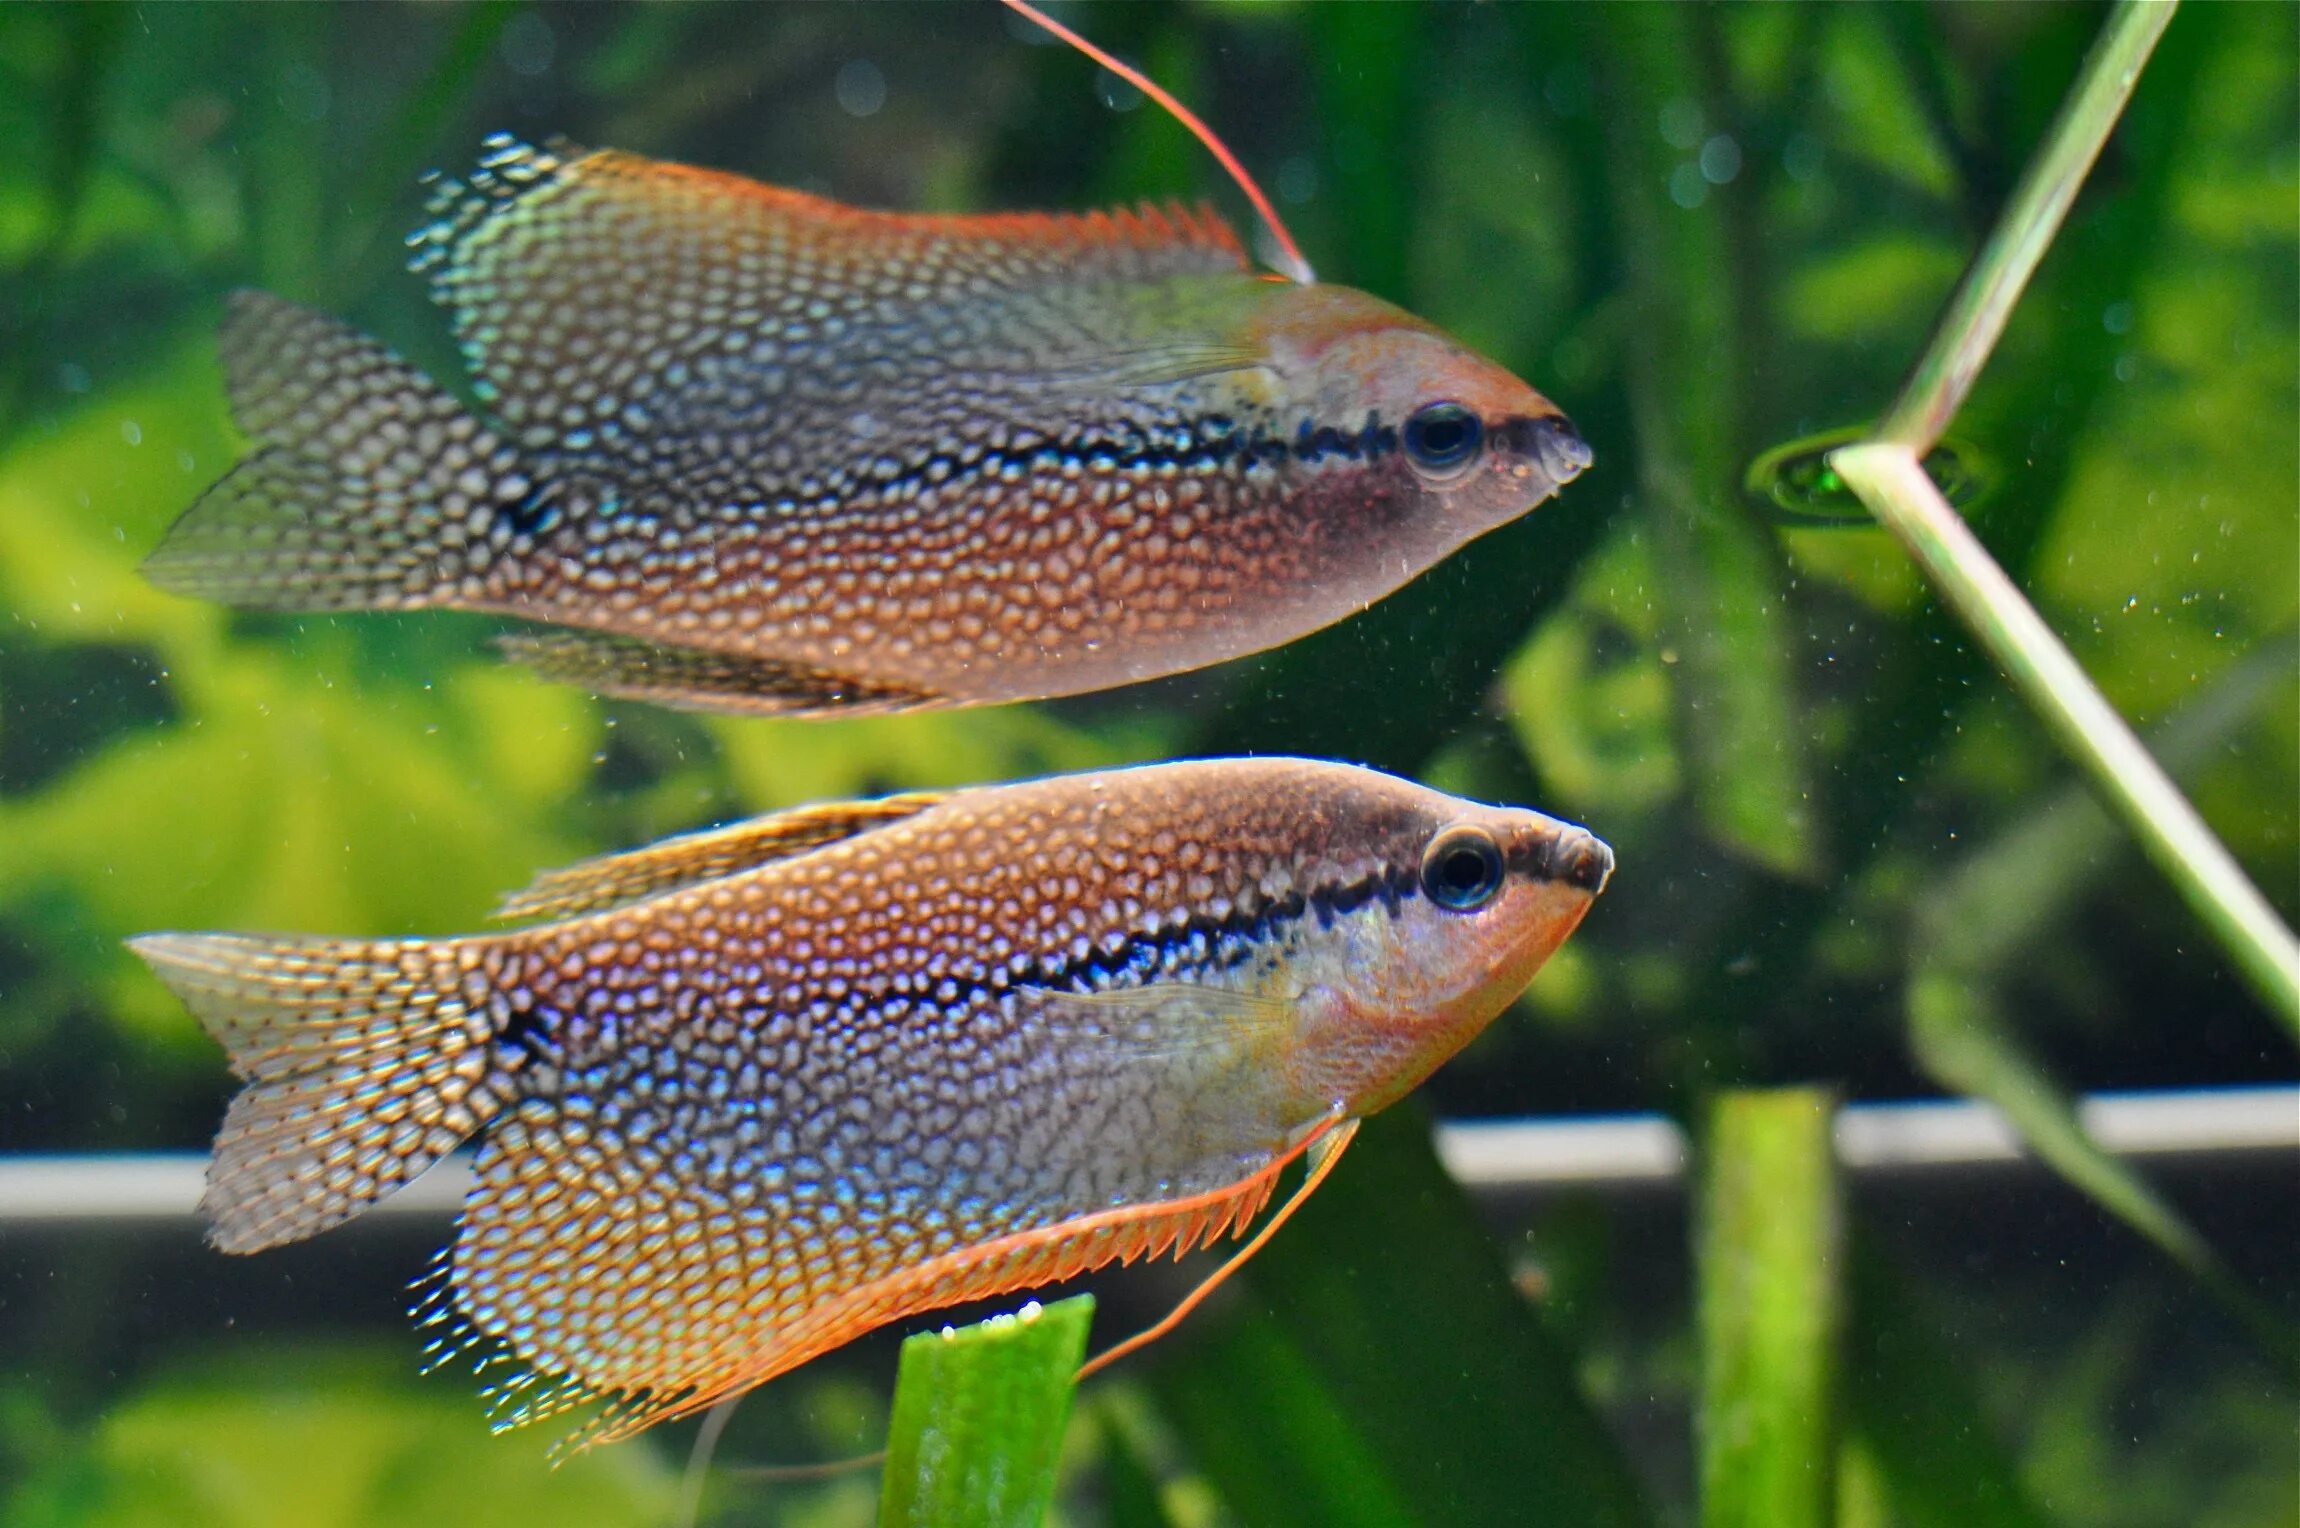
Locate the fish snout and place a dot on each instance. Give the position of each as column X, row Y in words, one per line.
column 1550, row 443
column 1557, row 445
column 1575, row 857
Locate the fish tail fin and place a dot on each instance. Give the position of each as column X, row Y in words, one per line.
column 365, row 1062
column 372, row 486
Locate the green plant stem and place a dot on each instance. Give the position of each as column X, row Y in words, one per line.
column 978, row 1418
column 1976, row 315
column 1769, row 1253
column 1890, row 480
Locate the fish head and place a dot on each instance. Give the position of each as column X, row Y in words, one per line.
column 1448, row 445
column 1476, row 899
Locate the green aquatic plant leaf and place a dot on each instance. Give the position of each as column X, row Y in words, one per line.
column 1913, row 1420
column 978, row 1419
column 1385, row 1370
column 1768, row 1244
column 1718, row 574
column 1590, row 696
column 1886, row 473
column 1960, row 1036
column 1996, row 903
column 320, row 1437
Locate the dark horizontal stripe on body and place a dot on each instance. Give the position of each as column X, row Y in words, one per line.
column 534, row 1040
column 1211, row 442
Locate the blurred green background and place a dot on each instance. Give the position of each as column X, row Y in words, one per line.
column 1849, row 856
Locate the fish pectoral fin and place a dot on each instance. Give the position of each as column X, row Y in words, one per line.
column 1182, row 360
column 1164, row 1021
column 699, row 679
column 693, row 858
column 1209, row 1063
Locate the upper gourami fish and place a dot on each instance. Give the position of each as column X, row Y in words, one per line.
column 752, row 1092
column 742, row 448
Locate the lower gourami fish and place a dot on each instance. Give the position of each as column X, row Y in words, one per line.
column 737, row 447
column 753, row 1092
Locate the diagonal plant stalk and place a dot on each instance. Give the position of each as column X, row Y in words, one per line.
column 1976, row 315
column 1886, row 471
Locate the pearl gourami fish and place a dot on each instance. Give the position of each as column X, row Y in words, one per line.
column 752, row 1092
column 736, row 447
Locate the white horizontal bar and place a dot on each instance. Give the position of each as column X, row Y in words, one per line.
column 1648, row 1148
column 162, row 1185
column 1515, row 1153
column 1622, row 1148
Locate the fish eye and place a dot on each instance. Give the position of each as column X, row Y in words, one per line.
column 1461, row 869
column 1442, row 436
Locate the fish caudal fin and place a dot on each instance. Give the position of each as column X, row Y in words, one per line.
column 372, row 487
column 365, row 1064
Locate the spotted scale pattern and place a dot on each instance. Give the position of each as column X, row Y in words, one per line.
column 367, row 1063
column 375, row 489
column 819, row 431
column 889, row 1060
column 751, row 449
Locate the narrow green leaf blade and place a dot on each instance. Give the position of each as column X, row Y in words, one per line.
column 1964, row 1042
column 1916, row 1426
column 1383, row 1369
column 1720, row 580
column 1996, row 903
column 978, row 1419
column 1768, row 1247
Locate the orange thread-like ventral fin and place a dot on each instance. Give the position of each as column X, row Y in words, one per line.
column 1324, row 1151
column 1295, row 267
column 612, row 880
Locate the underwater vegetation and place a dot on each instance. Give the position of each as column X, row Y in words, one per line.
column 1861, row 862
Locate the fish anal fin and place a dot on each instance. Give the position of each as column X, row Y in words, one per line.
column 694, row 858
column 699, row 679
column 1004, row 1265
column 658, row 1294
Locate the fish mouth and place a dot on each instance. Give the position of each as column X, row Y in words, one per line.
column 1551, row 442
column 1565, row 855
column 1581, row 859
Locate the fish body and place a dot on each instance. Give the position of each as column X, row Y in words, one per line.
column 750, row 1093
column 742, row 448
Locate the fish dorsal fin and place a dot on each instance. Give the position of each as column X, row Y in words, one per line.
column 610, row 303
column 690, row 859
